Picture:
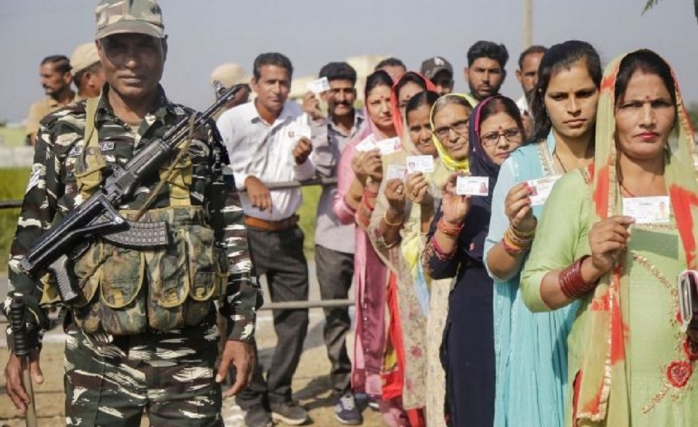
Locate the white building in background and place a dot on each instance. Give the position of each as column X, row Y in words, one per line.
column 363, row 65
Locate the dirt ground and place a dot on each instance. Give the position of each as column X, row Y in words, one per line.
column 311, row 382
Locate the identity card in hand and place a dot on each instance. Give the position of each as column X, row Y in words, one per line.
column 648, row 210
column 301, row 128
column 397, row 172
column 390, row 145
column 688, row 297
column 472, row 185
column 424, row 164
column 318, row 86
column 367, row 144
column 541, row 188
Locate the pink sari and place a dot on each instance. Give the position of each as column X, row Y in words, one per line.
column 370, row 281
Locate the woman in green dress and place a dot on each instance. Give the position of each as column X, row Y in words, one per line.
column 630, row 360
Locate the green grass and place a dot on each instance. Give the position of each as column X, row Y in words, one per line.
column 12, row 137
column 307, row 212
column 13, row 182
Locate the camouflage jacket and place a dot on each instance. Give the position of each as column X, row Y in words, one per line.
column 52, row 192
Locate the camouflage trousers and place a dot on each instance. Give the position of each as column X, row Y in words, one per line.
column 169, row 375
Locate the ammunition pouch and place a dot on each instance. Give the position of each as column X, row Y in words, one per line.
column 160, row 289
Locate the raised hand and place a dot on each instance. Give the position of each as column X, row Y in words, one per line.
column 417, row 189
column 453, row 206
column 518, row 209
column 607, row 239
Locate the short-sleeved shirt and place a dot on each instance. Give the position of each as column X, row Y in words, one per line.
column 39, row 110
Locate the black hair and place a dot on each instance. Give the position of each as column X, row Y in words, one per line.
column 61, row 63
column 649, row 62
column 77, row 77
column 446, row 100
column 488, row 49
column 501, row 104
column 390, row 62
column 530, row 51
column 558, row 57
column 422, row 98
column 409, row 77
column 271, row 58
column 377, row 78
column 338, row 71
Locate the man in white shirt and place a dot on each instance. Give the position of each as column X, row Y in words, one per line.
column 266, row 144
column 334, row 242
column 527, row 75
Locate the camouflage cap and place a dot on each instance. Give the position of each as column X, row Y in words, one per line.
column 83, row 57
column 129, row 16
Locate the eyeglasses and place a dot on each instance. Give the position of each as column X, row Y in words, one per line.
column 492, row 138
column 460, row 128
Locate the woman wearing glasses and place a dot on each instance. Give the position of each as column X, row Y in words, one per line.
column 531, row 350
column 455, row 246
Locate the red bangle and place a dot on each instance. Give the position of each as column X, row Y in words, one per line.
column 572, row 283
column 370, row 193
column 440, row 253
column 449, row 229
column 366, row 204
column 511, row 249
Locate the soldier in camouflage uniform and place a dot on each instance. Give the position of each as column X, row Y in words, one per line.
column 146, row 335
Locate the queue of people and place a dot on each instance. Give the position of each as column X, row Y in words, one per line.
column 527, row 263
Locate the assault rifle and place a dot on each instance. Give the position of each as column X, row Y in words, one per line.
column 97, row 216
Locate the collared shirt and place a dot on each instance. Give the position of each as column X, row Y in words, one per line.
column 52, row 192
column 264, row 150
column 328, row 144
column 523, row 105
column 41, row 109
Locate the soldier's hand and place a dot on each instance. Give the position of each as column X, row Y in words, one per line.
column 13, row 378
column 302, row 150
column 258, row 193
column 240, row 355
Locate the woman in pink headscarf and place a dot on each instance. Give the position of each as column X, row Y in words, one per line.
column 359, row 176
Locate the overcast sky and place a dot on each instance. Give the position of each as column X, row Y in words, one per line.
column 205, row 33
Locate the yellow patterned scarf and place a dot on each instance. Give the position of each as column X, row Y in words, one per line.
column 448, row 161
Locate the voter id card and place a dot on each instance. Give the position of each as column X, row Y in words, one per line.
column 472, row 185
column 541, row 188
column 424, row 164
column 648, row 210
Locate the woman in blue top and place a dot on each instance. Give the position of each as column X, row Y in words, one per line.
column 531, row 349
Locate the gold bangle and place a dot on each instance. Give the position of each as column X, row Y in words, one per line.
column 524, row 234
column 393, row 224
